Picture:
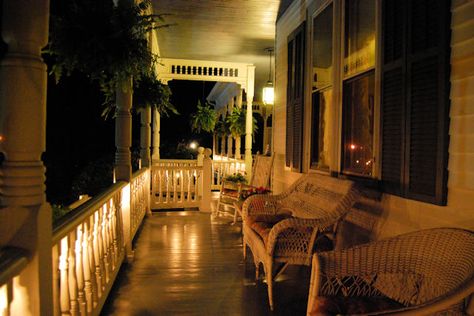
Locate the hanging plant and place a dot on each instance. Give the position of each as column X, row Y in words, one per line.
column 236, row 121
column 221, row 128
column 204, row 119
column 106, row 42
column 151, row 92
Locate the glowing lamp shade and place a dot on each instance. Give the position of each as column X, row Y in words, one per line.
column 268, row 93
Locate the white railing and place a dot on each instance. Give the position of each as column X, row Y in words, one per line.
column 140, row 198
column 182, row 183
column 176, row 185
column 185, row 69
column 90, row 244
column 222, row 167
column 13, row 262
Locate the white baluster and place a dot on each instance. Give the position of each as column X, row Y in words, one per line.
column 175, row 180
column 103, row 239
column 72, row 282
column 64, row 279
column 98, row 254
column 92, row 262
column 181, row 198
column 56, row 280
column 80, row 271
column 86, row 266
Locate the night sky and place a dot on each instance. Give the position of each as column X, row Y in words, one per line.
column 78, row 138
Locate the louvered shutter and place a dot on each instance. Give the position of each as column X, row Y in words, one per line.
column 428, row 99
column 295, row 103
column 289, row 105
column 392, row 92
column 415, row 98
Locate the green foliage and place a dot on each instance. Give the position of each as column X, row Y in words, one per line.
column 107, row 43
column 94, row 178
column 148, row 91
column 237, row 178
column 236, row 121
column 204, row 119
column 58, row 211
column 221, row 128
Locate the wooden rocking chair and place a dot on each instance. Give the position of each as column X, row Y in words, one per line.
column 230, row 192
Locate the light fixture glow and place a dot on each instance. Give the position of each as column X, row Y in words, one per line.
column 268, row 95
column 193, row 145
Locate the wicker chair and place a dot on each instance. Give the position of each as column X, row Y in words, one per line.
column 231, row 192
column 427, row 272
column 286, row 228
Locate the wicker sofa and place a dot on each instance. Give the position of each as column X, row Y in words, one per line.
column 428, row 272
column 286, row 228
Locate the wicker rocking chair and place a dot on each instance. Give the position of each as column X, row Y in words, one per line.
column 231, row 192
column 288, row 227
column 428, row 272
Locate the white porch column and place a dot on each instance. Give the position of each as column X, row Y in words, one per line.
column 248, row 122
column 25, row 216
column 145, row 135
column 156, row 135
column 238, row 103
column 223, row 140
column 123, row 132
column 230, row 138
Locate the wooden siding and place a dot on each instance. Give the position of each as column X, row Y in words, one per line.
column 398, row 215
column 292, row 18
column 404, row 215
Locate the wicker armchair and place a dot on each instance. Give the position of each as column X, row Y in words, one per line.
column 286, row 228
column 426, row 272
column 231, row 192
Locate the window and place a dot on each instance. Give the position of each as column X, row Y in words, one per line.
column 359, row 36
column 322, row 64
column 295, row 99
column 415, row 98
column 358, row 122
column 358, row 88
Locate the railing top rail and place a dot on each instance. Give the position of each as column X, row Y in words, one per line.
column 178, row 167
column 12, row 261
column 138, row 173
column 228, row 161
column 175, row 161
column 77, row 216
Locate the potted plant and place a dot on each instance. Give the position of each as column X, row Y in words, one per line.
column 204, row 119
column 148, row 91
column 236, row 121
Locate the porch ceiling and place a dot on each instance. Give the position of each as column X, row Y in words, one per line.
column 220, row 30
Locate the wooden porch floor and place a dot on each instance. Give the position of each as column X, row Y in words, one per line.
column 188, row 263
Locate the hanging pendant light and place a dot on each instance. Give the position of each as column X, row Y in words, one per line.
column 268, row 95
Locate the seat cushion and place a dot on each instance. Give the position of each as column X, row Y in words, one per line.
column 230, row 193
column 326, row 305
column 263, row 224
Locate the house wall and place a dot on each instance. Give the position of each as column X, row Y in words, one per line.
column 396, row 215
column 294, row 16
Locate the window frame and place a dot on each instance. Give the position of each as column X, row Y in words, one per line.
column 373, row 179
column 322, row 89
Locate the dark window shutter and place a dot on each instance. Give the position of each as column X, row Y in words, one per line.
column 423, row 126
column 393, row 127
column 289, row 106
column 295, row 103
column 392, row 100
column 415, row 98
column 428, row 99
